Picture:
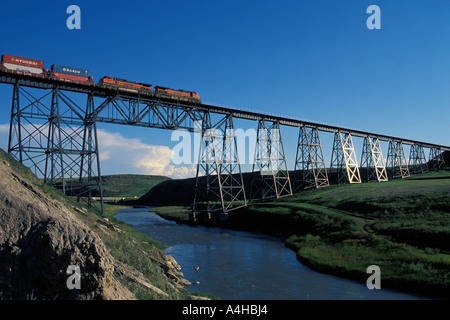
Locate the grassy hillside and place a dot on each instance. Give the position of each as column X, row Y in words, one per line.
column 403, row 226
column 129, row 185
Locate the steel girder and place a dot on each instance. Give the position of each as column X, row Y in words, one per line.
column 396, row 160
column 417, row 160
column 372, row 160
column 136, row 111
column 310, row 168
column 343, row 154
column 219, row 184
column 270, row 172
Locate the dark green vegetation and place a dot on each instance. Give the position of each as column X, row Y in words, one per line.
column 403, row 226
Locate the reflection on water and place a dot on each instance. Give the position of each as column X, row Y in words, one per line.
column 243, row 265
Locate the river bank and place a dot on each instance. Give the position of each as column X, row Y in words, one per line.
column 335, row 233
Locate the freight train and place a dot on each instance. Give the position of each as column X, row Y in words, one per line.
column 125, row 85
column 35, row 68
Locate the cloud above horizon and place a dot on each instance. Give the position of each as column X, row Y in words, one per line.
column 4, row 136
column 118, row 152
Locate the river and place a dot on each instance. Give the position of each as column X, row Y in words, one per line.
column 236, row 265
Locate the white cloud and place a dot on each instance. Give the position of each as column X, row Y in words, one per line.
column 4, row 136
column 120, row 153
column 4, row 127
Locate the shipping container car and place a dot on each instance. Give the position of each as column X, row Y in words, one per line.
column 70, row 70
column 70, row 74
column 21, row 65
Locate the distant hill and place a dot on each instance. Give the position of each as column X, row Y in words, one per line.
column 182, row 191
column 129, row 185
column 169, row 192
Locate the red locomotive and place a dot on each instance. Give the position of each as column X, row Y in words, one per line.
column 125, row 85
column 177, row 94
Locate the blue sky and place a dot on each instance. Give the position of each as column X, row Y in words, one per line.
column 312, row 59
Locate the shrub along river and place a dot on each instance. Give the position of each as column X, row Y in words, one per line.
column 246, row 266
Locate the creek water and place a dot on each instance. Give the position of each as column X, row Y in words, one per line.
column 236, row 265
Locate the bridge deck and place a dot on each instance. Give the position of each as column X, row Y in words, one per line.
column 98, row 91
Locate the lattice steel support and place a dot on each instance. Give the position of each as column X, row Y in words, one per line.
column 436, row 159
column 310, row 168
column 271, row 175
column 55, row 138
column 28, row 137
column 417, row 160
column 90, row 177
column 219, row 182
column 231, row 180
column 343, row 154
column 396, row 160
column 15, row 148
column 372, row 163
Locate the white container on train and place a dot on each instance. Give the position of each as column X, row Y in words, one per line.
column 16, row 67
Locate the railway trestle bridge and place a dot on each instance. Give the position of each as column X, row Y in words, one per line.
column 56, row 137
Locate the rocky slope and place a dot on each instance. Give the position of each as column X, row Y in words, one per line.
column 40, row 238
